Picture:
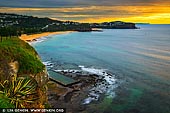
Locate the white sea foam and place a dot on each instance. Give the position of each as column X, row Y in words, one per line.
column 48, row 64
column 102, row 72
column 106, row 87
column 93, row 70
column 38, row 40
column 67, row 70
column 87, row 100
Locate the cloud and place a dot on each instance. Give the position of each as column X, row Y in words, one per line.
column 78, row 3
column 92, row 10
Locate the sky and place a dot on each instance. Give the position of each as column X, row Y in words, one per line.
column 138, row 11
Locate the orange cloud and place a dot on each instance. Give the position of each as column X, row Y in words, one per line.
column 152, row 14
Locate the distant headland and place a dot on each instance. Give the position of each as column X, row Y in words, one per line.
column 22, row 24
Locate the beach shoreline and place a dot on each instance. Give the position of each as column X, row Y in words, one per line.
column 33, row 37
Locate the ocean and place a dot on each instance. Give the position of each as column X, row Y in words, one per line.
column 138, row 60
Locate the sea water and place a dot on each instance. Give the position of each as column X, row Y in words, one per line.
column 139, row 58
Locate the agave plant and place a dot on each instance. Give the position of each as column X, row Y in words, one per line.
column 19, row 90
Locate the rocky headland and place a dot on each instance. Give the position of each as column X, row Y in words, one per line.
column 89, row 89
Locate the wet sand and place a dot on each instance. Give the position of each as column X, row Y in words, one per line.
column 33, row 37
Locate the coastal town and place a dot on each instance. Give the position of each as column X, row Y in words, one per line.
column 29, row 24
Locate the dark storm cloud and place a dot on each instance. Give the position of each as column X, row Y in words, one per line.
column 72, row 3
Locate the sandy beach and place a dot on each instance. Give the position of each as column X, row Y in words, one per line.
column 32, row 37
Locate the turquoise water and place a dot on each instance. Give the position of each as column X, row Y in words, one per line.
column 139, row 57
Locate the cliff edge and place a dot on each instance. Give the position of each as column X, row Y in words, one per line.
column 23, row 70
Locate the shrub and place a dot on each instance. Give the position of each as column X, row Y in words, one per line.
column 18, row 90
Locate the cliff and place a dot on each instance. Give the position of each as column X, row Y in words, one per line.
column 20, row 64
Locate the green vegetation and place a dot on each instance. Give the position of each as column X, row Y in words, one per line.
column 5, row 102
column 16, row 25
column 24, row 87
column 22, row 24
column 9, row 32
column 14, row 49
column 17, row 91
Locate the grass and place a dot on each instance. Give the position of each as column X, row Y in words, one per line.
column 14, row 49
